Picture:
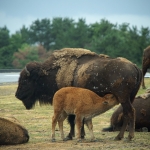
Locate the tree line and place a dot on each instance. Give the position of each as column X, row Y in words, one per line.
column 42, row 37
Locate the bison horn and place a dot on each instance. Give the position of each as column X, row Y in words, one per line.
column 28, row 73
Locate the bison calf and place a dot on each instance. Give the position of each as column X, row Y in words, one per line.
column 142, row 107
column 82, row 103
column 11, row 132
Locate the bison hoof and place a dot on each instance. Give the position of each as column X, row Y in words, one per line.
column 79, row 140
column 82, row 136
column 67, row 138
column 53, row 140
column 130, row 137
column 93, row 140
column 118, row 138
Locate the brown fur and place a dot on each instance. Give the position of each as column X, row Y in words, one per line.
column 81, row 68
column 67, row 65
column 103, row 55
column 124, row 59
column 145, row 64
column 83, row 103
column 12, row 132
column 142, row 107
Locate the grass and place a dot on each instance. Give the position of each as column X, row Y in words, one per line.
column 38, row 123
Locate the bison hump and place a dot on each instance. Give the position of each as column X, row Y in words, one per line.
column 78, row 52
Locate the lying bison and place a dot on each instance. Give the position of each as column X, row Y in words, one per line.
column 142, row 107
column 81, row 68
column 12, row 132
column 145, row 63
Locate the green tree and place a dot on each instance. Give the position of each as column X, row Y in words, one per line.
column 40, row 33
column 4, row 37
column 25, row 35
column 80, row 36
column 5, row 53
column 29, row 53
column 100, row 34
column 6, row 57
column 62, row 31
column 24, row 55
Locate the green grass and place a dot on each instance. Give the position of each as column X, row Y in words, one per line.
column 38, row 123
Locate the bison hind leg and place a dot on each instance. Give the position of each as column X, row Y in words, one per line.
column 128, row 117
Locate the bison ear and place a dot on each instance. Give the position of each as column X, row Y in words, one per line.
column 43, row 72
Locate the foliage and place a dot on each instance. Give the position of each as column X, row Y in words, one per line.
column 28, row 53
column 40, row 33
column 101, row 37
column 4, row 37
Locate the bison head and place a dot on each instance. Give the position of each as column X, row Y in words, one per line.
column 27, row 84
column 33, row 85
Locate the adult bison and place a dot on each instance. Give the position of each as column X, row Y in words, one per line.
column 81, row 68
column 142, row 107
column 145, row 64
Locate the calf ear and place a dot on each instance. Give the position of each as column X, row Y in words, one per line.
column 109, row 96
column 105, row 102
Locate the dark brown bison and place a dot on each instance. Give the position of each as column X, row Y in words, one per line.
column 81, row 68
column 142, row 107
column 145, row 64
column 12, row 132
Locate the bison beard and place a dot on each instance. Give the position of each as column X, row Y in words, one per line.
column 81, row 68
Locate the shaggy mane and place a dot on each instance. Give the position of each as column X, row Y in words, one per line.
column 78, row 52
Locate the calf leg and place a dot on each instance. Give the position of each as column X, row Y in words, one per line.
column 90, row 127
column 79, row 123
column 60, row 124
column 54, row 122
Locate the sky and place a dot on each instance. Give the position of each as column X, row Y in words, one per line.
column 16, row 13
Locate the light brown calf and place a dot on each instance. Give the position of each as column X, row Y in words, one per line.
column 83, row 103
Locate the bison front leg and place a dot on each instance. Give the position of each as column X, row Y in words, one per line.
column 71, row 121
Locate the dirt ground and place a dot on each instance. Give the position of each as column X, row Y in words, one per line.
column 38, row 123
column 105, row 141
